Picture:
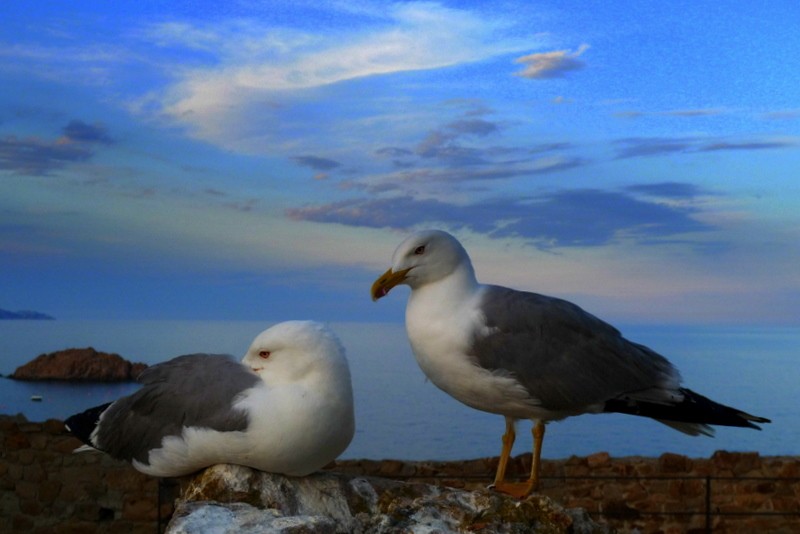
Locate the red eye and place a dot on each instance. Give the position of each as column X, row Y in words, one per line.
column 264, row 354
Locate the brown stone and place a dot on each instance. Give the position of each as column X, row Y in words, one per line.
column 9, row 424
column 66, row 444
column 34, row 473
column 634, row 493
column 786, row 504
column 394, row 468
column 30, row 507
column 22, row 523
column 54, row 426
column 71, row 492
column 790, row 469
column 576, row 460
column 48, row 492
column 129, row 479
column 25, row 457
column 139, row 510
column 737, row 462
column 621, row 510
column 25, row 490
column 673, row 463
column 16, row 441
column 82, row 527
column 87, row 511
column 14, row 472
column 598, row 459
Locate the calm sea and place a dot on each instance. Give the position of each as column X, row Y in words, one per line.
column 401, row 415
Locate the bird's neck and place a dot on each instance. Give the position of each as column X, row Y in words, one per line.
column 446, row 293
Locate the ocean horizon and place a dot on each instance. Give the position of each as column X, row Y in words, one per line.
column 401, row 415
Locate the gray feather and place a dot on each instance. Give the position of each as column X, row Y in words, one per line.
column 195, row 390
column 565, row 357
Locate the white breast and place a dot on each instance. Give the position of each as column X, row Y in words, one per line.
column 441, row 330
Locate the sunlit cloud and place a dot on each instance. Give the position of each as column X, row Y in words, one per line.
column 546, row 65
column 254, row 67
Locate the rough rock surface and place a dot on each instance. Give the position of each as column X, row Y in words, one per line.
column 235, row 499
column 79, row 365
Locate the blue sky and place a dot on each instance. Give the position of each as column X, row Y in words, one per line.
column 261, row 160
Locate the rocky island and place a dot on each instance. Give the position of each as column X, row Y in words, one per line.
column 87, row 365
column 24, row 314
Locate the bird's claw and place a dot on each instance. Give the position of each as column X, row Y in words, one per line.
column 518, row 490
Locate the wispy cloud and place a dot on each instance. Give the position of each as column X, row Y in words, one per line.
column 555, row 64
column 677, row 190
column 317, row 163
column 459, row 153
column 651, row 146
column 428, row 178
column 251, row 64
column 564, row 218
column 686, row 113
column 784, row 114
column 38, row 157
column 35, row 156
column 746, row 145
column 81, row 132
column 657, row 146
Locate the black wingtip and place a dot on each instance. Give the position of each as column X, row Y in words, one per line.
column 81, row 425
column 693, row 409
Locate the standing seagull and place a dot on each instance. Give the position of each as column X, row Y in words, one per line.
column 286, row 408
column 529, row 356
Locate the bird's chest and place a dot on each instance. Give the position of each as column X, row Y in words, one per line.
column 440, row 338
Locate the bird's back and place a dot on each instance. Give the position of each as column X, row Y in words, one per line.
column 565, row 357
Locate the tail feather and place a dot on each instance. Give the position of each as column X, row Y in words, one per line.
column 692, row 429
column 82, row 425
column 691, row 414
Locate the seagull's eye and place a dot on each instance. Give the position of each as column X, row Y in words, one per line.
column 264, row 354
column 420, row 250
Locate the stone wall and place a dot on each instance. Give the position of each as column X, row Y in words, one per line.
column 668, row 494
column 44, row 487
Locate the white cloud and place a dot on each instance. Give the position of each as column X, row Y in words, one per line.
column 257, row 65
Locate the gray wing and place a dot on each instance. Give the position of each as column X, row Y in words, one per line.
column 196, row 390
column 564, row 356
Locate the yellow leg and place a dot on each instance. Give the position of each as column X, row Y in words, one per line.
column 521, row 489
column 508, row 443
column 538, row 439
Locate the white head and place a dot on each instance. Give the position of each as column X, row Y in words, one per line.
column 422, row 258
column 293, row 350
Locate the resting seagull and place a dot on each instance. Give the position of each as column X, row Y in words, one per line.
column 286, row 408
column 528, row 356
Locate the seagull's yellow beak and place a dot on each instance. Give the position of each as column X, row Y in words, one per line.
column 386, row 281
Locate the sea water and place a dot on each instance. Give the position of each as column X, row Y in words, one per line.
column 399, row 414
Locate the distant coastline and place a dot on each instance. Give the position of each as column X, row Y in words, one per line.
column 25, row 314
